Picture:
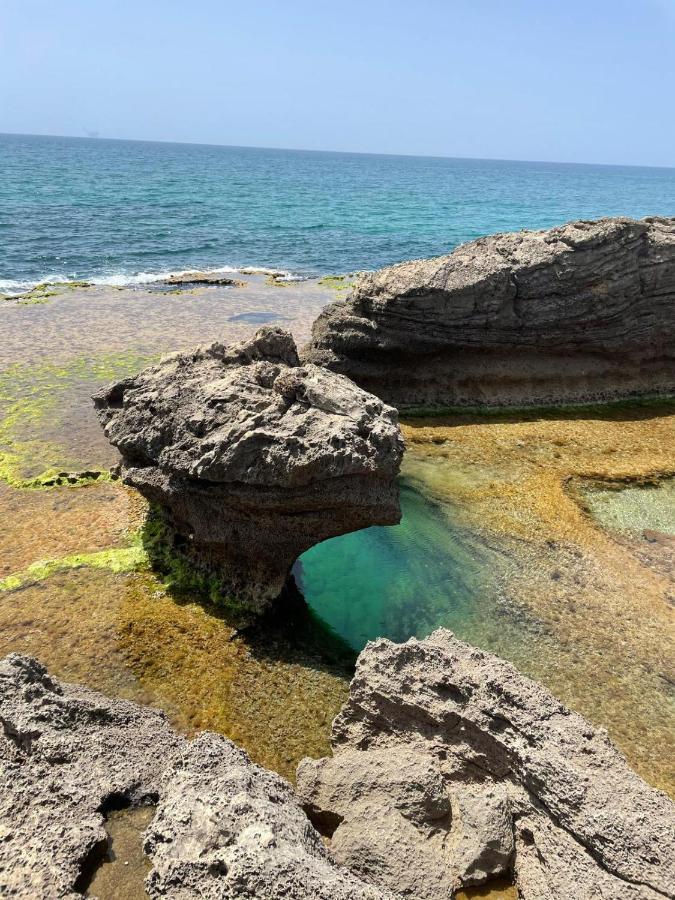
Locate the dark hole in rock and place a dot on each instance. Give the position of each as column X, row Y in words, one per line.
column 324, row 820
column 116, row 867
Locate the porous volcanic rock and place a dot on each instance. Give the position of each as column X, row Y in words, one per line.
column 450, row 768
column 224, row 828
column 580, row 313
column 254, row 457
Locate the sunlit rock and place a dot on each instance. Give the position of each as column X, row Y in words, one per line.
column 580, row 313
column 254, row 457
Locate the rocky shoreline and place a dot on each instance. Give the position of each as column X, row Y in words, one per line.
column 448, row 769
column 581, row 313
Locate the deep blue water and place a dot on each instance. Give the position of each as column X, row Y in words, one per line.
column 83, row 208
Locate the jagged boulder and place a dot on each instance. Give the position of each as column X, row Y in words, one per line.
column 254, row 457
column 224, row 828
column 450, row 768
column 580, row 313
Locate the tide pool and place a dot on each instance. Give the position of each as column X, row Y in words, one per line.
column 398, row 582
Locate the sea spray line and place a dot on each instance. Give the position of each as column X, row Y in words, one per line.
column 14, row 287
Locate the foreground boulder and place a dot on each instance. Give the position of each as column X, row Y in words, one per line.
column 450, row 768
column 224, row 827
column 254, row 457
column 580, row 313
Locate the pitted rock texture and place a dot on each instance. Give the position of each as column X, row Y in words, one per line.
column 227, row 828
column 224, row 827
column 447, row 756
column 580, row 313
column 65, row 754
column 254, row 457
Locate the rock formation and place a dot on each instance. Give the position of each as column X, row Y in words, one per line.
column 254, row 457
column 580, row 313
column 450, row 768
column 224, row 828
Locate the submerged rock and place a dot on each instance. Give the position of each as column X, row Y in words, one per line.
column 224, row 828
column 254, row 457
column 197, row 279
column 580, row 313
column 451, row 768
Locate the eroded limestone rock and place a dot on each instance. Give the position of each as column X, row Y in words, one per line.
column 65, row 754
column 254, row 457
column 227, row 828
column 447, row 755
column 224, row 827
column 580, row 313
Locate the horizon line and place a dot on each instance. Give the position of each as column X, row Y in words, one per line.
column 97, row 138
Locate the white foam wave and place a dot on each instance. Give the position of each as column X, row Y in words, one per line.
column 12, row 286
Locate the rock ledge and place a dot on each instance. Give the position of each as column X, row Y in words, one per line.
column 580, row 313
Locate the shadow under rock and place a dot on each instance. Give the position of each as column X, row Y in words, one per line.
column 289, row 632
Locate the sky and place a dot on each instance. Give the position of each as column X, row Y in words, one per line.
column 573, row 81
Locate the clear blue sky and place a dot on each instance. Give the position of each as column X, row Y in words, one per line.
column 579, row 80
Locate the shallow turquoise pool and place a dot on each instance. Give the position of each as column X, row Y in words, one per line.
column 400, row 581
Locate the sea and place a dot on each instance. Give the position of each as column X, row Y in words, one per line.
column 118, row 212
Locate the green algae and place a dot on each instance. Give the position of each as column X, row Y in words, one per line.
column 337, row 283
column 117, row 560
column 41, row 293
column 179, row 576
column 31, row 397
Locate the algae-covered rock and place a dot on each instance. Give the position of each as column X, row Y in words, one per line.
column 254, row 457
column 450, row 768
column 580, row 313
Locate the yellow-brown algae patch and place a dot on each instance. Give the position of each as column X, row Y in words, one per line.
column 272, row 695
column 49, row 524
column 610, row 641
column 123, row 635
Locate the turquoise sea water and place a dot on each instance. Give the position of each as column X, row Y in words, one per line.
column 83, row 208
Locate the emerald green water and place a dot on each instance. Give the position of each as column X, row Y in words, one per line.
column 397, row 582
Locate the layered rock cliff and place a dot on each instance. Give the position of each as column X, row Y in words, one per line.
column 580, row 313
column 450, row 768
column 254, row 457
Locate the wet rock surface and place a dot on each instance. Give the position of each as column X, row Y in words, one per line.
column 254, row 457
column 224, row 827
column 579, row 313
column 450, row 768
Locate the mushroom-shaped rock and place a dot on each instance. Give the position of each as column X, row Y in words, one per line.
column 580, row 313
column 254, row 457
